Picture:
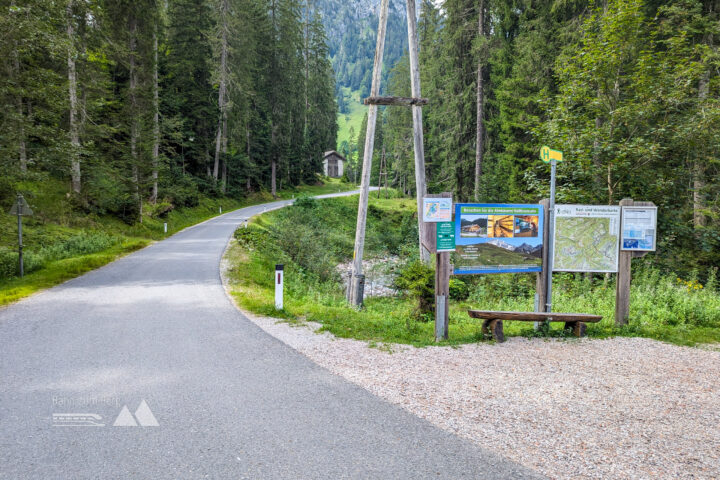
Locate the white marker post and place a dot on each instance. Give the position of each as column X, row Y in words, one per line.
column 279, row 277
column 220, row 209
column 165, row 227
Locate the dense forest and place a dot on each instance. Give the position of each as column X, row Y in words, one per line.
column 138, row 103
column 351, row 27
column 628, row 89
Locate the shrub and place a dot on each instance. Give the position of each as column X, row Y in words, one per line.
column 306, row 202
column 416, row 280
column 458, row 289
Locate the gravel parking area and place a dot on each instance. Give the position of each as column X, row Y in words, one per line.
column 618, row 408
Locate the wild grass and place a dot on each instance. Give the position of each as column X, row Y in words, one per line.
column 311, row 241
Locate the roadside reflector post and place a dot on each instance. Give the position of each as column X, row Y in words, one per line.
column 220, row 209
column 165, row 227
column 279, row 278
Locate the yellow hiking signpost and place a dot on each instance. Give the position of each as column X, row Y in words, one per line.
column 547, row 154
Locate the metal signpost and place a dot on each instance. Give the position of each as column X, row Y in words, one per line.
column 548, row 155
column 20, row 208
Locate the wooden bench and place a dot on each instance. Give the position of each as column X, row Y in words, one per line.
column 493, row 321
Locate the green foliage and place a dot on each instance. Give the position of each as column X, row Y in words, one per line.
column 417, row 281
column 458, row 289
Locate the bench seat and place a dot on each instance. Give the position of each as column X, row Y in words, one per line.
column 492, row 320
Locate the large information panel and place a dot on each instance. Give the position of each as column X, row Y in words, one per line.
column 498, row 238
column 639, row 227
column 586, row 238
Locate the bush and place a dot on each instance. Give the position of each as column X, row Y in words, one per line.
column 251, row 237
column 306, row 202
column 8, row 263
column 458, row 289
column 416, row 280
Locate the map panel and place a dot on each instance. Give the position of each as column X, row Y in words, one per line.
column 586, row 238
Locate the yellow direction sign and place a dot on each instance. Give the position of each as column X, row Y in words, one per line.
column 547, row 154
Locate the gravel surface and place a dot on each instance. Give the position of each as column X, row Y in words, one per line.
column 618, row 408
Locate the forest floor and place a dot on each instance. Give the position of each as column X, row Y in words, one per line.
column 61, row 243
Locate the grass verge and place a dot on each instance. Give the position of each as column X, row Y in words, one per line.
column 61, row 243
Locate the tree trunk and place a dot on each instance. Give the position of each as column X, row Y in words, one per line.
column 133, row 120
column 223, row 87
column 224, row 152
column 72, row 87
column 698, row 172
column 22, row 150
column 156, row 120
column 480, row 106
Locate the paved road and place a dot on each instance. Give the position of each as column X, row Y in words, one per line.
column 230, row 400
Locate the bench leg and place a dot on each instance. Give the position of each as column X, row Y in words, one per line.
column 494, row 328
column 578, row 328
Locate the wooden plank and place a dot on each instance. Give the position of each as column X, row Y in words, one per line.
column 367, row 157
column 534, row 316
column 396, row 101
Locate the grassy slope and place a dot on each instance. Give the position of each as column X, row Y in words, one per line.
column 352, row 119
column 661, row 308
column 56, row 222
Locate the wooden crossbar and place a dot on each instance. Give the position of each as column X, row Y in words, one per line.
column 397, row 101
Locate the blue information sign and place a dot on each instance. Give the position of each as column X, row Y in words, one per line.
column 498, row 238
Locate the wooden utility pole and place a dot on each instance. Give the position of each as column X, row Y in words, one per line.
column 357, row 280
column 420, row 187
column 373, row 101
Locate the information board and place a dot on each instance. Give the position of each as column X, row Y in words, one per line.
column 498, row 238
column 586, row 238
column 639, row 227
column 437, row 209
column 445, row 237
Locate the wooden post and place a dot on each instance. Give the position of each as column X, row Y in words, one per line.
column 622, row 285
column 420, row 186
column 541, row 277
column 368, row 153
column 624, row 276
column 442, row 275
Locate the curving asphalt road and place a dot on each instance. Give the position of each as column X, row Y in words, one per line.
column 229, row 400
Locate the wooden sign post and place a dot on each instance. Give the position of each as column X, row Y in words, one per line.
column 442, row 275
column 624, row 276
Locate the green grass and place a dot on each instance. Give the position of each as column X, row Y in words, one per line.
column 662, row 307
column 352, row 119
column 61, row 243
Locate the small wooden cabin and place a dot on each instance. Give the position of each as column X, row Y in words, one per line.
column 333, row 164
